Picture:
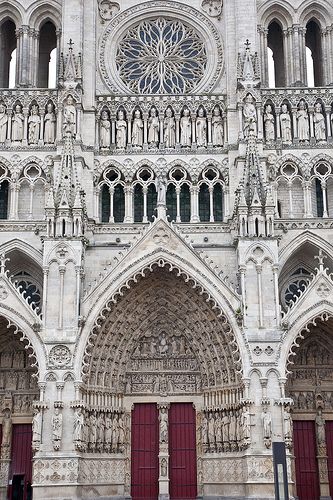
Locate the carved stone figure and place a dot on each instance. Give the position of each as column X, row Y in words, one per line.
column 320, row 425
column 33, row 125
column 163, row 425
column 3, row 123
column 137, row 130
column 121, row 128
column 225, row 427
column 232, row 427
column 287, row 423
column 201, row 129
column 37, row 426
column 249, row 116
column 319, row 123
column 217, row 128
column 78, row 425
column 17, row 124
column 92, row 431
column 115, row 433
column 169, row 129
column 266, row 419
column 285, row 123
column 302, row 122
column 6, row 430
column 246, row 424
column 153, row 128
column 185, row 129
column 56, row 428
column 69, row 116
column 211, row 431
column 104, row 130
column 163, row 345
column 269, row 121
column 49, row 124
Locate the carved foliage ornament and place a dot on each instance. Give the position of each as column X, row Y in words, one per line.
column 107, row 9
column 59, row 356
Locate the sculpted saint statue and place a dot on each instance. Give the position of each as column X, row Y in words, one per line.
column 57, row 425
column 50, row 124
column 185, row 129
column 78, row 425
column 285, row 123
column 3, row 123
column 137, row 129
column 249, row 116
column 37, row 426
column 104, row 130
column 217, row 127
column 303, row 122
column 121, row 128
column 17, row 124
column 266, row 419
column 153, row 128
column 201, row 129
column 70, row 116
column 161, row 187
column 34, row 126
column 269, row 121
column 319, row 123
column 169, row 129
column 163, row 426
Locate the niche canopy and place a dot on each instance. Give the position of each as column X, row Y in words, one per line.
column 169, row 51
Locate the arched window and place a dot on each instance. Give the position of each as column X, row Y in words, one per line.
column 314, row 55
column 119, row 203
column 319, row 199
column 7, row 54
column 112, row 196
column 145, row 196
column 211, row 196
column 151, row 201
column 277, row 77
column 204, row 203
column 171, row 201
column 4, row 188
column 218, row 203
column 185, row 203
column 47, row 56
column 105, row 216
column 138, row 203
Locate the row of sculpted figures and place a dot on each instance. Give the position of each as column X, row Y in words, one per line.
column 162, row 130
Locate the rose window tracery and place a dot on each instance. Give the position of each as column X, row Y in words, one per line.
column 161, row 56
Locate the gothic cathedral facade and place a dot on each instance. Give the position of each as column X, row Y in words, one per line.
column 166, row 249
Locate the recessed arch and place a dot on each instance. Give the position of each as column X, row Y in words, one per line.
column 41, row 12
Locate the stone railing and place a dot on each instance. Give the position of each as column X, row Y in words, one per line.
column 161, row 123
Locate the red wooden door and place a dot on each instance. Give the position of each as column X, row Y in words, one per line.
column 307, row 477
column 145, row 449
column 21, row 464
column 329, row 443
column 182, row 450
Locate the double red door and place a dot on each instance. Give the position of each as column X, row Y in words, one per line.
column 307, row 477
column 182, row 452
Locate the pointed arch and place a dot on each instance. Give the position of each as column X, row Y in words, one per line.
column 295, row 244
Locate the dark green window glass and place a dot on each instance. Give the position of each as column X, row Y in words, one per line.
column 185, row 203
column 171, row 201
column 218, row 200
column 119, row 203
column 151, row 201
column 204, row 210
column 105, row 203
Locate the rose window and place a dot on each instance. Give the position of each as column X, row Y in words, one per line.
column 161, row 56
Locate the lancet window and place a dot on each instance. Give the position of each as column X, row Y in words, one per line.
column 145, row 195
column 112, row 197
column 8, row 45
column 31, row 198
column 4, row 192
column 210, row 196
column 47, row 56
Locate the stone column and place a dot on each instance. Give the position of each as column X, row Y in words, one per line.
column 129, row 204
column 163, row 456
column 194, row 203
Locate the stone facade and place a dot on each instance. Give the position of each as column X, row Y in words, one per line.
column 165, row 236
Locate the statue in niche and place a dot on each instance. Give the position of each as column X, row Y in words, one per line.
column 56, row 428
column 108, row 432
column 201, row 128
column 33, row 125
column 153, row 128
column 115, row 433
column 246, row 424
column 232, row 427
column 163, row 418
column 269, row 121
column 218, row 431
column 17, row 124
column 169, row 129
column 204, row 430
column 266, row 419
column 285, row 123
column 163, row 345
column 249, row 116
column 287, row 423
column 217, row 128
column 121, row 128
column 92, row 431
column 70, row 116
column 319, row 123
column 3, row 123
column 104, row 130
column 37, row 426
column 164, row 467
column 211, row 431
column 302, row 122
column 6, row 430
column 185, row 129
column 50, row 124
column 78, row 425
column 137, row 130
column 100, row 431
column 161, row 188
column 320, row 425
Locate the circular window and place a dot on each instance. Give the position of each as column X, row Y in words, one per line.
column 161, row 48
column 161, row 56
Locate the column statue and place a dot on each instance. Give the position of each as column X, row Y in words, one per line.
column 3, row 123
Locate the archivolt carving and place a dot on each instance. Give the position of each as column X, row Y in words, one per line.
column 162, row 337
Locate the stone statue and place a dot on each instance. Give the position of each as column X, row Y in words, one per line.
column 137, row 130
column 266, row 419
column 69, row 124
column 78, row 425
column 164, row 467
column 185, row 129
column 285, row 123
column 92, row 431
column 104, row 130
column 302, row 122
column 201, row 129
column 161, row 187
column 153, row 128
column 225, row 427
column 3, row 123
column 169, row 129
column 17, row 124
column 33, row 125
column 50, row 124
column 320, row 425
column 115, row 433
column 108, row 432
column 204, row 430
column 269, row 121
column 246, row 424
column 121, row 128
column 6, row 430
column 287, row 423
column 100, row 431
column 232, row 427
column 319, row 123
column 211, row 431
column 163, row 425
column 249, row 116
column 217, row 128
column 218, row 431
column 56, row 428
column 37, row 426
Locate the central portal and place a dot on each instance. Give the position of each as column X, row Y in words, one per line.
column 149, row 467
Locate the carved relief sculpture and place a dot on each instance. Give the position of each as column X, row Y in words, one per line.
column 17, row 124
column 3, row 123
column 104, row 130
column 50, row 124
column 249, row 116
column 285, row 123
column 33, row 125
